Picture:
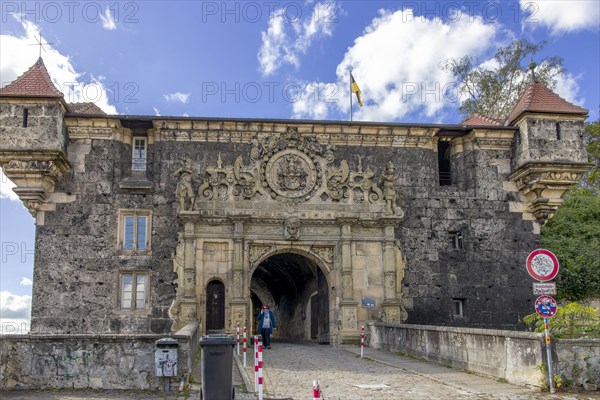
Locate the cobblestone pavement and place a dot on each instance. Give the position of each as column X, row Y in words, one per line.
column 290, row 369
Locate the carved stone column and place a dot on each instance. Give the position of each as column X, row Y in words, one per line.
column 347, row 323
column 238, row 303
column 392, row 310
column 189, row 304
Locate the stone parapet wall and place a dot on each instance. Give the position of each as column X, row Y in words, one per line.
column 579, row 362
column 81, row 361
column 510, row 355
column 502, row 354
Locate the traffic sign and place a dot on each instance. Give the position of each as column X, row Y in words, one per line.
column 545, row 306
column 542, row 265
column 544, row 288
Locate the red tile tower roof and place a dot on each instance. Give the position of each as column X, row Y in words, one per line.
column 538, row 98
column 86, row 109
column 481, row 120
column 35, row 82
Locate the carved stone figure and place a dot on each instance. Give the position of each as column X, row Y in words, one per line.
column 185, row 190
column 292, row 229
column 388, row 180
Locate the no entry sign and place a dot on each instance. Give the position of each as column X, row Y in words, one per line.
column 545, row 306
column 542, row 265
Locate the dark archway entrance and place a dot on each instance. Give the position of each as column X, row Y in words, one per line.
column 296, row 289
column 215, row 306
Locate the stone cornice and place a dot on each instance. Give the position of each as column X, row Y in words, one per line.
column 34, row 172
column 543, row 184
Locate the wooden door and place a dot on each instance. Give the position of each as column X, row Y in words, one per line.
column 215, row 307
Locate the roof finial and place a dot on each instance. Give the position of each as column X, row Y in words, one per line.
column 40, row 43
column 532, row 66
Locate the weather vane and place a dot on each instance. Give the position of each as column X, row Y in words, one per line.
column 40, row 43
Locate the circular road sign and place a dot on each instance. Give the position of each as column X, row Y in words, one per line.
column 545, row 306
column 542, row 265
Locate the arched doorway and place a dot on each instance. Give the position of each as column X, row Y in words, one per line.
column 297, row 290
column 215, row 306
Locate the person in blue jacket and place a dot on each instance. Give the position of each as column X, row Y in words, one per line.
column 266, row 324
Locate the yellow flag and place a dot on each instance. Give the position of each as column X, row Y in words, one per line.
column 355, row 89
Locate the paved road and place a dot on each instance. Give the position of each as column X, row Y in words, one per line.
column 290, row 369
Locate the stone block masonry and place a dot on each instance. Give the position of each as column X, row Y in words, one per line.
column 44, row 361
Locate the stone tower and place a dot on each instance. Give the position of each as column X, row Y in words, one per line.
column 548, row 151
column 33, row 136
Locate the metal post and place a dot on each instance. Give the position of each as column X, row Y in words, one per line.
column 549, row 356
column 362, row 341
column 245, row 345
column 237, row 328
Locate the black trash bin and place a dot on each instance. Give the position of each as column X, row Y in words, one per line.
column 217, row 367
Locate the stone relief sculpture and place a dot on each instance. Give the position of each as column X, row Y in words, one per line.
column 388, row 180
column 185, row 190
column 290, row 168
column 292, row 229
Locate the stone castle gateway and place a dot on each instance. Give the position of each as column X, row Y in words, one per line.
column 147, row 224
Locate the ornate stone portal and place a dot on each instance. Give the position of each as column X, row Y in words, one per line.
column 291, row 197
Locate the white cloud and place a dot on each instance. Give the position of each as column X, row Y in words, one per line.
column 562, row 15
column 17, row 56
column 286, row 39
column 177, row 96
column 14, row 306
column 108, row 21
column 6, row 186
column 156, row 111
column 568, row 88
column 397, row 63
column 26, row 282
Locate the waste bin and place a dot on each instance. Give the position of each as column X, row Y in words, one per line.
column 217, row 367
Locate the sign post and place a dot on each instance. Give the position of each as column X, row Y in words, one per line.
column 543, row 266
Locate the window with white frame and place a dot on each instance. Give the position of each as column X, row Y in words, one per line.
column 138, row 160
column 134, row 291
column 134, row 230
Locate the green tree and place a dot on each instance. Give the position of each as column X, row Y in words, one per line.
column 573, row 234
column 571, row 321
column 494, row 91
column 590, row 184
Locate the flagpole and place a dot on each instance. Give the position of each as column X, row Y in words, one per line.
column 350, row 78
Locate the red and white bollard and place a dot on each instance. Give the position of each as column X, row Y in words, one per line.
column 237, row 329
column 245, row 345
column 255, row 361
column 260, row 372
column 316, row 390
column 362, row 341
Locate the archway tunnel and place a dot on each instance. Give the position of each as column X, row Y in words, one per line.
column 296, row 290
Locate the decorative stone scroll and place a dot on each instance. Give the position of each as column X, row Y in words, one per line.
column 292, row 169
column 543, row 184
column 325, row 253
column 34, row 175
column 257, row 251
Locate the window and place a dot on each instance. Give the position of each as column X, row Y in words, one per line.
column 134, row 291
column 456, row 240
column 134, row 230
column 558, row 133
column 457, row 307
column 138, row 162
column 444, row 171
column 25, row 117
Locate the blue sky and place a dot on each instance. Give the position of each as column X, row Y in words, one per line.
column 272, row 60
